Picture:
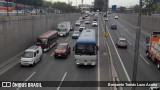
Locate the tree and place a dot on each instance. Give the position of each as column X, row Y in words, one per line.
column 64, row 7
column 98, row 5
column 136, row 8
column 150, row 6
column 30, row 2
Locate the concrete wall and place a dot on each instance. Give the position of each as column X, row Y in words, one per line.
column 149, row 23
column 18, row 33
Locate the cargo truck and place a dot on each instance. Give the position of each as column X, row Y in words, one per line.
column 63, row 28
column 153, row 48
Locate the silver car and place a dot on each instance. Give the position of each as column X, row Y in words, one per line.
column 122, row 42
column 75, row 35
column 78, row 23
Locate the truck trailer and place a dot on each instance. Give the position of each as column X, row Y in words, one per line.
column 63, row 28
column 153, row 48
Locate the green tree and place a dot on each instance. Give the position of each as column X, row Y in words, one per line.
column 30, row 2
column 64, row 7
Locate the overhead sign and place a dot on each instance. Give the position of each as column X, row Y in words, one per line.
column 114, row 7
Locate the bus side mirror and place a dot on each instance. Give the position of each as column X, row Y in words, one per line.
column 97, row 48
column 73, row 48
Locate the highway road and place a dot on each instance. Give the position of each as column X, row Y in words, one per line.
column 123, row 58
column 51, row 69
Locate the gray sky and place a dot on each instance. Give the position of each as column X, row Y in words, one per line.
column 127, row 3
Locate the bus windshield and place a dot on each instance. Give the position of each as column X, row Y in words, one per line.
column 42, row 41
column 85, row 49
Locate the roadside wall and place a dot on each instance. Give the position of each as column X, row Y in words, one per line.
column 149, row 23
column 19, row 32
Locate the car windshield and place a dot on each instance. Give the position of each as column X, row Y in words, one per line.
column 42, row 41
column 76, row 32
column 82, row 49
column 27, row 55
column 82, row 25
column 123, row 41
column 78, row 22
column 94, row 21
column 61, row 47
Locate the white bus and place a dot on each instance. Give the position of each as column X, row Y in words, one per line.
column 85, row 49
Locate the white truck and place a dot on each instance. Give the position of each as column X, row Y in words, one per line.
column 63, row 28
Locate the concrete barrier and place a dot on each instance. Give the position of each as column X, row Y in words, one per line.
column 19, row 32
column 149, row 23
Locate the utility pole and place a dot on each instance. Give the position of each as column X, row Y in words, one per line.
column 7, row 9
column 136, row 53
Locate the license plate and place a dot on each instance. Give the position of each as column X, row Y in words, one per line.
column 85, row 63
column 59, row 55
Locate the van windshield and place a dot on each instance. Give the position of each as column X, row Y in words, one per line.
column 41, row 41
column 27, row 55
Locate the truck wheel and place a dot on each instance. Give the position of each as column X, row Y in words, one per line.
column 158, row 65
column 148, row 55
column 153, row 58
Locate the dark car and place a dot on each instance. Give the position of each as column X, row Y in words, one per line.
column 122, row 42
column 62, row 50
column 72, row 28
column 113, row 26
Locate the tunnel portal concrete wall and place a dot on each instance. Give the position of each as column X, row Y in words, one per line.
column 19, row 32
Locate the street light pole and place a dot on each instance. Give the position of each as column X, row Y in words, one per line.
column 136, row 53
column 7, row 9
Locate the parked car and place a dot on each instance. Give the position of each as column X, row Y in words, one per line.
column 113, row 26
column 94, row 23
column 122, row 42
column 31, row 56
column 116, row 17
column 62, row 50
column 82, row 26
column 78, row 23
column 75, row 34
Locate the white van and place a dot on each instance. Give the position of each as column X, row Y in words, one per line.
column 31, row 56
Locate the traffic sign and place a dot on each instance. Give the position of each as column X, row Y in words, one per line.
column 106, row 33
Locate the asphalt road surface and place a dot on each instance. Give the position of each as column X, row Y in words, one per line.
column 123, row 59
column 51, row 69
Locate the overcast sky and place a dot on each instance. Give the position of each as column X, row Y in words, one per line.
column 127, row 3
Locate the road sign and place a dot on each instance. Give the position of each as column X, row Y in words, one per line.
column 114, row 7
column 106, row 34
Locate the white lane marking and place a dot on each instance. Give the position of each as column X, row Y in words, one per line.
column 106, row 43
column 8, row 68
column 67, row 39
column 98, row 56
column 26, row 80
column 30, row 76
column 62, row 80
column 144, row 59
column 129, row 43
column 119, row 57
column 52, row 54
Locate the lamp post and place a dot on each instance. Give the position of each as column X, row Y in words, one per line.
column 7, row 9
column 136, row 53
